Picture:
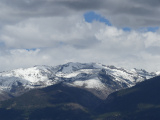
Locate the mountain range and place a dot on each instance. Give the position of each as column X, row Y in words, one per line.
column 99, row 79
column 79, row 91
column 63, row 102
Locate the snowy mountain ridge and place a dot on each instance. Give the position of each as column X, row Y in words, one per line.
column 95, row 77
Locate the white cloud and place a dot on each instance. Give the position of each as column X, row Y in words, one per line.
column 48, row 32
column 69, row 38
column 58, row 31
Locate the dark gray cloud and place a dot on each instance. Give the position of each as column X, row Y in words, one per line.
column 15, row 11
column 152, row 3
column 138, row 12
column 132, row 13
column 82, row 4
column 144, row 13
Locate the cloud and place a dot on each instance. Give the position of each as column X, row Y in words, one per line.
column 154, row 50
column 82, row 4
column 53, row 32
column 122, row 13
column 126, row 13
column 59, row 40
column 155, row 3
column 50, row 32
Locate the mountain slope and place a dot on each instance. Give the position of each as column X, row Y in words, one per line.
column 58, row 102
column 141, row 102
column 63, row 102
column 99, row 79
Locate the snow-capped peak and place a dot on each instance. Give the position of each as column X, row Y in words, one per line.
column 85, row 75
column 31, row 74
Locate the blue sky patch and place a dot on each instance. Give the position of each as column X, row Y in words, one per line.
column 148, row 29
column 2, row 44
column 92, row 16
column 152, row 29
column 32, row 49
column 126, row 29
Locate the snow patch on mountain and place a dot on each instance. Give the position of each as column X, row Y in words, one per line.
column 30, row 74
column 75, row 73
column 158, row 73
column 91, row 83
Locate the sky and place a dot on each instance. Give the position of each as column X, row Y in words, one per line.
column 124, row 33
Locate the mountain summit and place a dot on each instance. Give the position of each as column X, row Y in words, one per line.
column 97, row 78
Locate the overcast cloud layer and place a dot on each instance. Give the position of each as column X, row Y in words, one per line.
column 52, row 32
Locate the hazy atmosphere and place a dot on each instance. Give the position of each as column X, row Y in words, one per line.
column 50, row 32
